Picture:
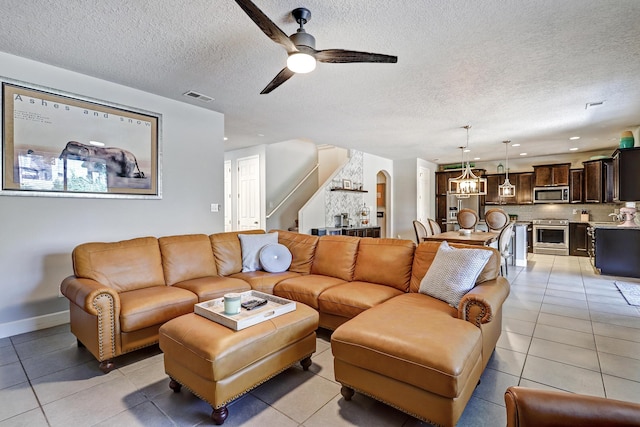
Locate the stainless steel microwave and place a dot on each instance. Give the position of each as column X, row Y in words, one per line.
column 558, row 194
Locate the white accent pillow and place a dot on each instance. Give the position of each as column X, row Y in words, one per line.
column 453, row 273
column 275, row 258
column 251, row 245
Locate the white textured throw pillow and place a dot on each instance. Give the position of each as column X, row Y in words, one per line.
column 453, row 273
column 251, row 245
column 275, row 258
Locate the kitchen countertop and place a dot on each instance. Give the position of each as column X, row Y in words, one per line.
column 610, row 224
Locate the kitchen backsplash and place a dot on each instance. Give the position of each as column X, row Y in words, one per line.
column 597, row 212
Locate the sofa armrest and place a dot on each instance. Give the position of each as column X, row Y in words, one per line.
column 99, row 327
column 480, row 303
column 85, row 292
column 546, row 408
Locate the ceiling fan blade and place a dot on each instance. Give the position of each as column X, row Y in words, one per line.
column 341, row 56
column 282, row 77
column 266, row 25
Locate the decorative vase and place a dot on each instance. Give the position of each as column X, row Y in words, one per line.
column 626, row 139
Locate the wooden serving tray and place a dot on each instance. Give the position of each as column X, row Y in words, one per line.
column 275, row 306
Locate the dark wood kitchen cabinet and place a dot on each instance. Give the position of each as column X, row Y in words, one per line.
column 617, row 251
column 626, row 174
column 523, row 182
column 548, row 175
column 524, row 187
column 493, row 181
column 576, row 186
column 579, row 240
column 598, row 181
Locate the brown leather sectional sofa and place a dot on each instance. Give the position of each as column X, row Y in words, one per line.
column 122, row 292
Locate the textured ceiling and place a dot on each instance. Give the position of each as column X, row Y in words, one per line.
column 512, row 69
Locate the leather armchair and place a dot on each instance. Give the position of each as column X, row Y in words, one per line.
column 528, row 407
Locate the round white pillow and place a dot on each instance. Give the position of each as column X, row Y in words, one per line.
column 275, row 258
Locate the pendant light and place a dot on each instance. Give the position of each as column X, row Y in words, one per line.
column 467, row 184
column 507, row 189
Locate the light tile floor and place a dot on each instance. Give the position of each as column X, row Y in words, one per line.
column 564, row 328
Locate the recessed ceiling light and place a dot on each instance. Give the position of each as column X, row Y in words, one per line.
column 226, row 139
column 573, row 149
column 523, row 154
column 573, row 138
column 260, row 134
column 515, row 145
column 476, row 158
column 466, row 150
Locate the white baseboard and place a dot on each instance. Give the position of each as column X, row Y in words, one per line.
column 33, row 324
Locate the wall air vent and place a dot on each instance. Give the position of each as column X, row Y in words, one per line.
column 198, row 96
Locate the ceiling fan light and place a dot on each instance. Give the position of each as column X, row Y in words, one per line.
column 301, row 62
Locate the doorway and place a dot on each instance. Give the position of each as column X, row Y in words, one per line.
column 383, row 203
column 249, row 193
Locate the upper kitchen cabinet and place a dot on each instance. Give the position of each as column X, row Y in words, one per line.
column 493, row 181
column 548, row 175
column 523, row 182
column 576, row 186
column 625, row 175
column 524, row 187
column 598, row 181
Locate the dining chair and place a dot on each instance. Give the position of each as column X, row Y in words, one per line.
column 496, row 219
column 467, row 219
column 435, row 227
column 421, row 230
column 504, row 242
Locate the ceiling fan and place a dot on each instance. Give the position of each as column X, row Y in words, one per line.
column 301, row 46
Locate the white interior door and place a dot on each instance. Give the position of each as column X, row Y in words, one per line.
column 227, row 196
column 249, row 193
column 423, row 195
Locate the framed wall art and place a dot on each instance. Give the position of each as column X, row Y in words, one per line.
column 64, row 145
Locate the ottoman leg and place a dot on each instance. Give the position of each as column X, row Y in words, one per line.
column 346, row 392
column 175, row 385
column 219, row 415
column 306, row 362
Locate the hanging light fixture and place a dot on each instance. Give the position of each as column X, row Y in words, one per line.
column 467, row 184
column 507, row 189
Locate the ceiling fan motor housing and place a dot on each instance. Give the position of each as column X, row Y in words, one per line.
column 302, row 38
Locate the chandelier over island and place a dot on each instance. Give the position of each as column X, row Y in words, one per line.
column 507, row 189
column 467, row 184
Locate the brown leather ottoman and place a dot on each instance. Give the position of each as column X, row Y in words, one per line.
column 411, row 353
column 219, row 364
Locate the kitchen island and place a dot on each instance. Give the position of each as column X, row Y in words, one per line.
column 617, row 250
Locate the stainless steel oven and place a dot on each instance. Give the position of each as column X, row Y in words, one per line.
column 551, row 236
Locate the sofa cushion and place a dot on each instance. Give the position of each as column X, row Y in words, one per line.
column 227, row 251
column 425, row 345
column 453, row 273
column 186, row 257
column 305, row 289
column 302, row 248
column 123, row 266
column 250, row 245
column 425, row 253
column 335, row 256
column 208, row 288
column 264, row 281
column 352, row 298
column 146, row 307
column 395, row 255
